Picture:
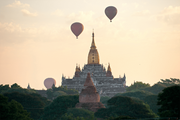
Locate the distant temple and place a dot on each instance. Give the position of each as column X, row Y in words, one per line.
column 103, row 80
column 28, row 87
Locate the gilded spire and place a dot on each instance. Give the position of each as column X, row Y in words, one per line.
column 93, row 57
column 93, row 43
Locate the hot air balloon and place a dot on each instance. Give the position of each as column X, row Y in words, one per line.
column 110, row 12
column 48, row 82
column 77, row 28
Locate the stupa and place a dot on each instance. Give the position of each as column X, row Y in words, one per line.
column 28, row 87
column 89, row 98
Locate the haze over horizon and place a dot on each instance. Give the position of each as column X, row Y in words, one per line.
column 142, row 41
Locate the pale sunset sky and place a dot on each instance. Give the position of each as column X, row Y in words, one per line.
column 142, row 41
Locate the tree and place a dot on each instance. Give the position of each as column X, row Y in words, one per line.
column 14, row 88
column 146, row 97
column 170, row 82
column 169, row 102
column 151, row 100
column 156, row 88
column 125, row 106
column 33, row 103
column 104, row 100
column 15, row 85
column 59, row 106
column 4, row 87
column 79, row 112
column 57, row 91
column 138, row 85
column 141, row 94
column 70, row 117
column 120, row 117
column 49, row 93
column 20, row 90
column 12, row 110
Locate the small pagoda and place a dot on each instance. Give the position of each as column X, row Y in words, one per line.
column 89, row 98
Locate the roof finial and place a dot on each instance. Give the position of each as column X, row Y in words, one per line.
column 109, row 68
column 124, row 76
column 77, row 69
column 93, row 43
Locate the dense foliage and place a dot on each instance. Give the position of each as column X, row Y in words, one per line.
column 156, row 88
column 12, row 110
column 59, row 106
column 104, row 100
column 137, row 85
column 14, row 88
column 149, row 94
column 170, row 82
column 120, row 117
column 33, row 103
column 138, row 102
column 151, row 100
column 71, row 117
column 125, row 106
column 138, row 94
column 145, row 96
column 58, row 91
column 81, row 113
column 169, row 100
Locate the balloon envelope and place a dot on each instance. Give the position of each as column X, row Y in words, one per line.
column 111, row 12
column 77, row 28
column 48, row 82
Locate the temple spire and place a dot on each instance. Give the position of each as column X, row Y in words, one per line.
column 93, row 57
column 109, row 68
column 93, row 43
column 28, row 87
column 77, row 70
column 109, row 73
column 124, row 76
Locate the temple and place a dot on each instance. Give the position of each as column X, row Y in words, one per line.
column 89, row 97
column 28, row 87
column 103, row 80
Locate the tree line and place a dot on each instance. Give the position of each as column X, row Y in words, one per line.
column 140, row 101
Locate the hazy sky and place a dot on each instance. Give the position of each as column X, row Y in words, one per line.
column 142, row 41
